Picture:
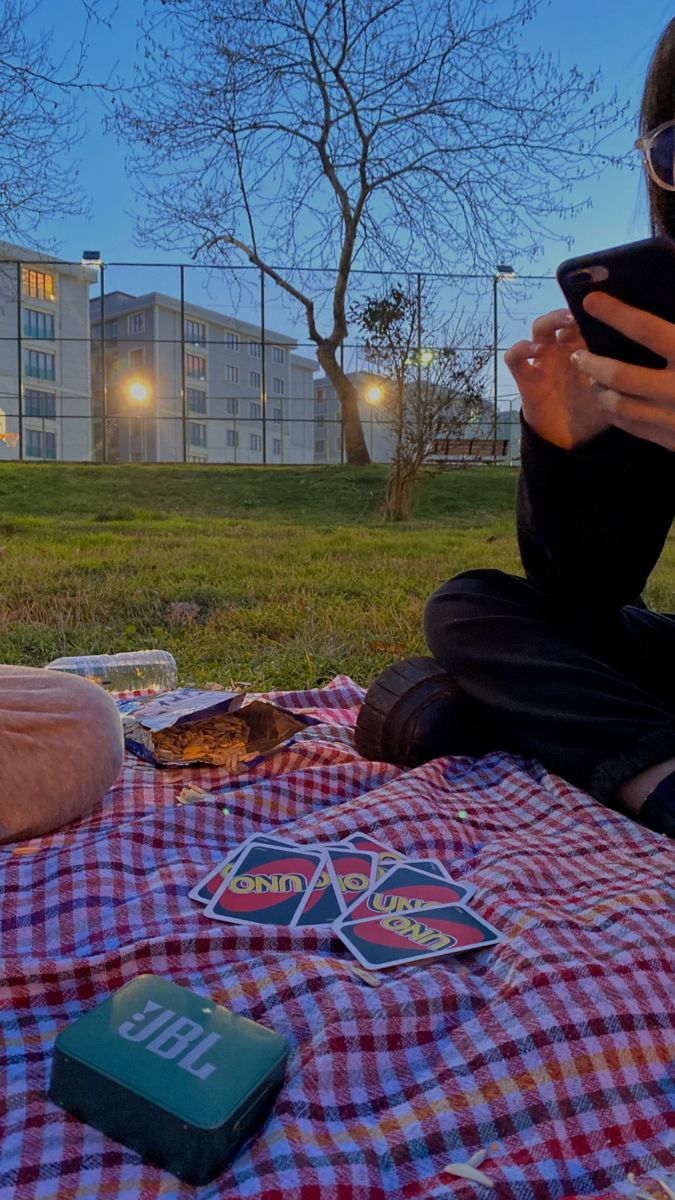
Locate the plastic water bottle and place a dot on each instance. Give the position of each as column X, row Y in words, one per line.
column 140, row 670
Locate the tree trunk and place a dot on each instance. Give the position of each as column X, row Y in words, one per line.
column 398, row 496
column 356, row 450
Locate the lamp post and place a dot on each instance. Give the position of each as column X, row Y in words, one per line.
column 503, row 272
column 374, row 396
column 138, row 394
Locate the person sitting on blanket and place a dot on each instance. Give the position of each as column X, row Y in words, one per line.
column 568, row 665
column 62, row 748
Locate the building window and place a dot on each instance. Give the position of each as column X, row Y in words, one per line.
column 276, row 415
column 40, row 444
column 254, row 379
column 254, row 349
column 232, row 437
column 231, row 373
column 39, row 365
column 320, row 446
column 195, row 331
column 278, row 386
column 196, row 433
column 39, row 404
column 276, row 445
column 38, row 324
column 137, row 357
column 277, row 354
column 195, row 366
column 111, row 329
column 256, row 441
column 37, row 284
column 196, row 458
column 232, row 406
column 318, row 395
column 255, row 411
column 136, row 323
column 196, row 399
column 320, row 421
column 231, row 340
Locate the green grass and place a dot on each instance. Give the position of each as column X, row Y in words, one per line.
column 294, row 575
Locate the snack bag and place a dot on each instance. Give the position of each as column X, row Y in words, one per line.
column 189, row 727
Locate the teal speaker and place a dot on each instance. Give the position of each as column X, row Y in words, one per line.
column 170, row 1074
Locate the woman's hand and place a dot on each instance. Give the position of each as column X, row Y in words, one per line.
column 640, row 400
column 559, row 403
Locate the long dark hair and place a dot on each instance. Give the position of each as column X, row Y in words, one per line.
column 658, row 105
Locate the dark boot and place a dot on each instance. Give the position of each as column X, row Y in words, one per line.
column 413, row 712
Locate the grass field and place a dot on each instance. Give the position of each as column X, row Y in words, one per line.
column 290, row 574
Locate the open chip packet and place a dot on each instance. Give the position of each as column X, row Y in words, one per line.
column 191, row 727
column 389, row 909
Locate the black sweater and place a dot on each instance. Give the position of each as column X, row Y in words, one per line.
column 592, row 521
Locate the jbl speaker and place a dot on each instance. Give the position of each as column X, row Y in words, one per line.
column 170, row 1074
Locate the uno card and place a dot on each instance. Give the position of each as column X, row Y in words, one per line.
column 268, row 885
column 406, row 889
column 345, row 875
column 386, row 857
column 205, row 890
column 400, row 938
column 430, row 866
column 352, row 873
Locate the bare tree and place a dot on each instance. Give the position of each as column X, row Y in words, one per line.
column 333, row 133
column 39, row 120
column 428, row 391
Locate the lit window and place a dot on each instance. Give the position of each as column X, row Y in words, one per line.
column 256, row 441
column 39, row 365
column 231, row 373
column 255, row 411
column 37, row 284
column 254, row 379
column 39, row 404
column 38, row 324
column 195, row 366
column 277, row 354
column 196, row 433
column 195, row 331
column 196, row 399
column 254, row 349
column 232, row 406
column 136, row 323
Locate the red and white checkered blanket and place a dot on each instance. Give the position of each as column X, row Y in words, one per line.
column 554, row 1051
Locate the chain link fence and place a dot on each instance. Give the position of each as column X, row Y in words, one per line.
column 166, row 363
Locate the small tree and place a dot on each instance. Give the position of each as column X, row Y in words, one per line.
column 429, row 393
column 332, row 134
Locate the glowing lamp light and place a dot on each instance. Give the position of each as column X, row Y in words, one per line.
column 374, row 394
column 138, row 392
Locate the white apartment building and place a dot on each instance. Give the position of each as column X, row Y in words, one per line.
column 189, row 384
column 45, row 377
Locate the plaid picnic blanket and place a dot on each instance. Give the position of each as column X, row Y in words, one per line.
column 553, row 1052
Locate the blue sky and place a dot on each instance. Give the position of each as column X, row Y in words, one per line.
column 616, row 36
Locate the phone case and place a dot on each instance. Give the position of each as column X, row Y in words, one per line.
column 641, row 274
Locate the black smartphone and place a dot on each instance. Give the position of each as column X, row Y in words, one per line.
column 641, row 274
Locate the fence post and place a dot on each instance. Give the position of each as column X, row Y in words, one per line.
column 19, row 337
column 342, row 416
column 263, row 376
column 183, row 384
column 104, row 375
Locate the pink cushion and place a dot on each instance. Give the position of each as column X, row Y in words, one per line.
column 61, row 749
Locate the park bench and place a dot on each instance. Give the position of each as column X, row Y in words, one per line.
column 452, row 451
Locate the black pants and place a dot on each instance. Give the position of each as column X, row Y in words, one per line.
column 592, row 697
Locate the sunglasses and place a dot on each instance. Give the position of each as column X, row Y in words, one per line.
column 658, row 151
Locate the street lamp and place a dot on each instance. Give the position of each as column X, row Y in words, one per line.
column 138, row 393
column 503, row 272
